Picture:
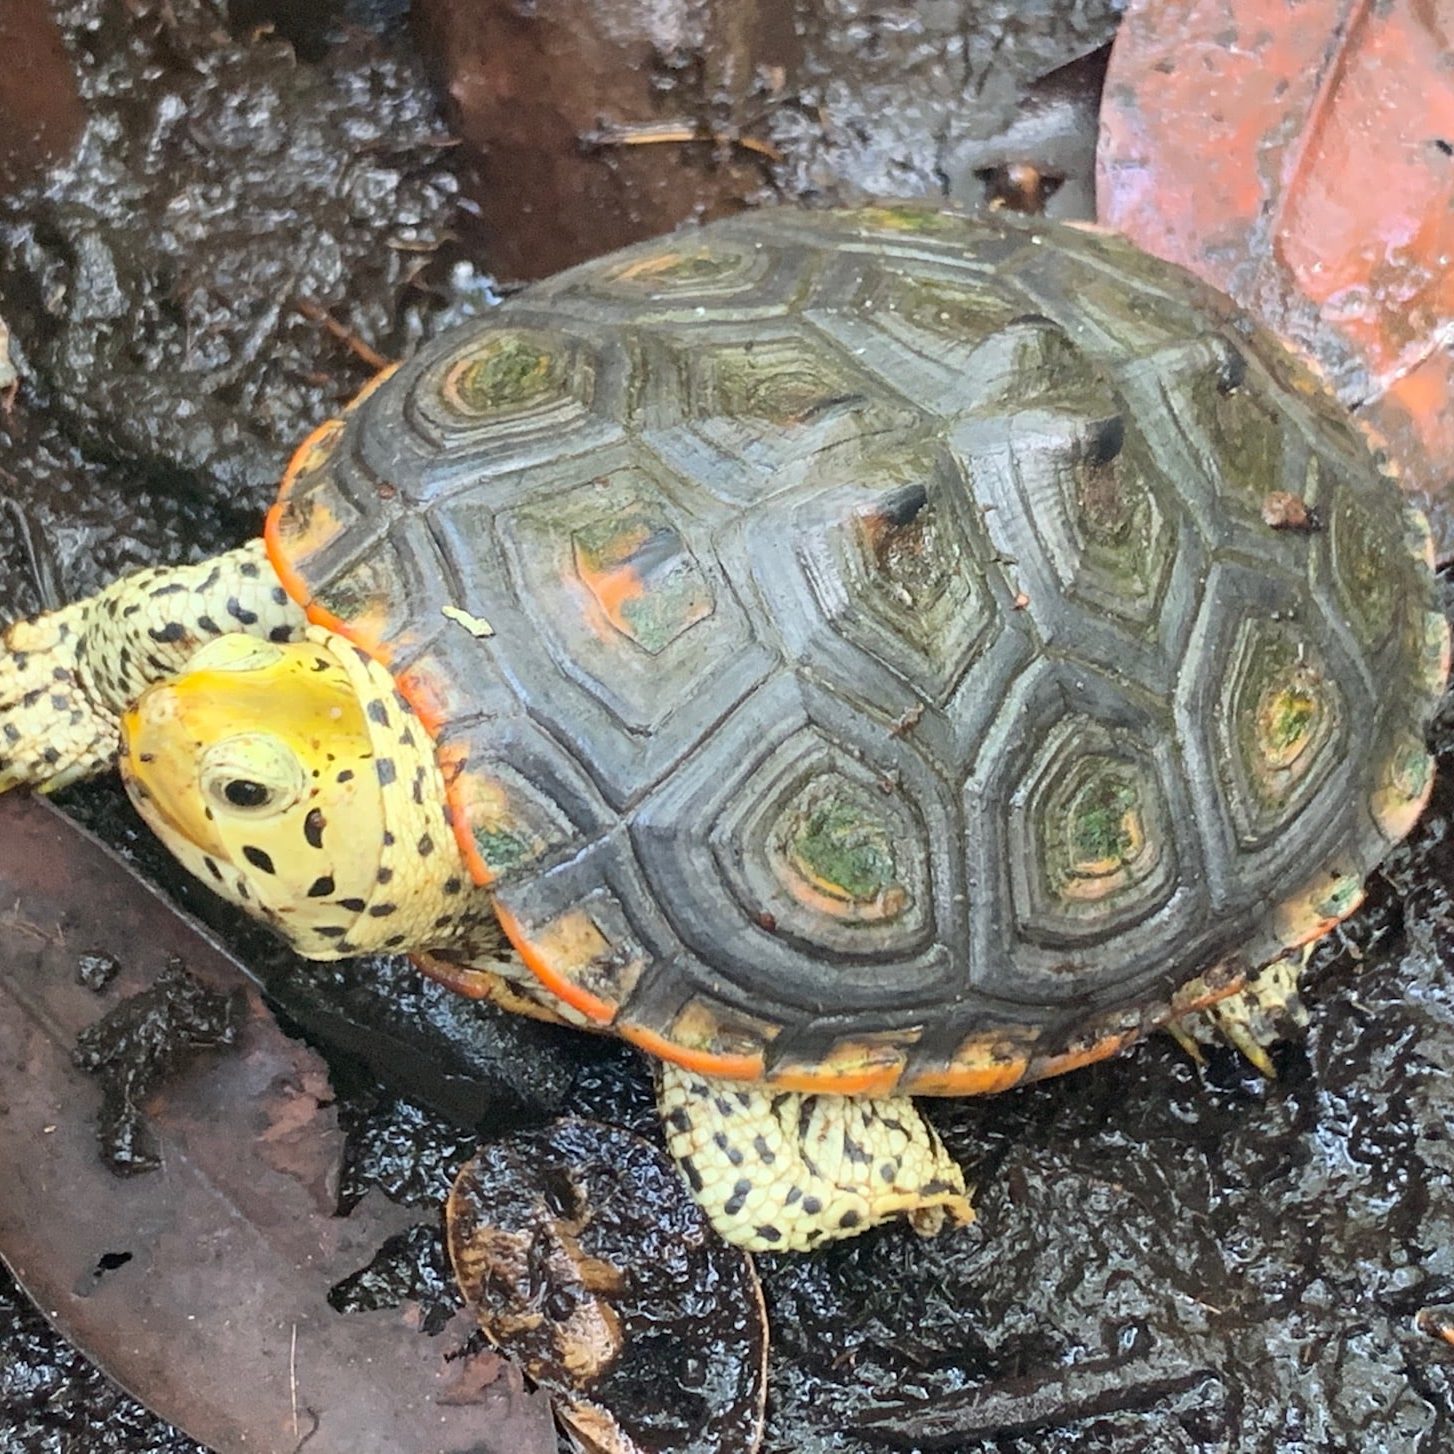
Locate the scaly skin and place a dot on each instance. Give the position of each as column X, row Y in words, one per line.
column 783, row 1172
column 66, row 677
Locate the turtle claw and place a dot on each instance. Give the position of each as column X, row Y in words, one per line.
column 51, row 732
column 1267, row 1010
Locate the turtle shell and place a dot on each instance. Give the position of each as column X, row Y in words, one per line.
column 882, row 648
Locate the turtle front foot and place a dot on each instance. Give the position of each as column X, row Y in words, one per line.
column 783, row 1172
column 51, row 731
column 1267, row 1010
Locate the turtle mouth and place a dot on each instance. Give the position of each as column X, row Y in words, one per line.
column 159, row 773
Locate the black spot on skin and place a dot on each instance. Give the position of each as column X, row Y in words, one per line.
column 51, row 756
column 385, row 874
column 888, row 1171
column 378, row 713
column 388, row 839
column 426, row 846
column 313, row 826
column 395, row 941
column 768, row 1233
column 170, row 590
column 280, row 634
column 257, row 858
column 678, row 1120
column 346, row 776
column 452, row 885
column 382, row 911
column 60, row 674
column 239, row 612
column 209, row 626
column 172, row 631
column 849, row 1219
column 765, row 1153
column 406, row 738
column 812, row 1206
column 738, row 1199
column 248, row 570
column 213, row 869
column 854, row 1152
column 444, row 921
column 60, row 703
column 418, row 791
column 936, row 1187
column 384, row 766
column 320, row 888
column 280, row 596
column 723, row 1105
column 329, row 931
column 355, row 906
column 694, row 1177
column 319, row 665
column 211, row 580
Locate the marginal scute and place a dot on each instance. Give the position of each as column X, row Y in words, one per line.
column 866, row 1065
column 885, row 673
column 1324, row 900
column 1402, row 787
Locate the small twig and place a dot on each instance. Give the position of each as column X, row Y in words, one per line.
column 651, row 133
column 293, row 1378
column 314, row 313
column 12, row 920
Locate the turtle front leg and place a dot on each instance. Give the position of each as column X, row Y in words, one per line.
column 66, row 676
column 783, row 1171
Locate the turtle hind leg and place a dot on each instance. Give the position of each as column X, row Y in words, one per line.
column 1269, row 1008
column 66, row 676
column 783, row 1171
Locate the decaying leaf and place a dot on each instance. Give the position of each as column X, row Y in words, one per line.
column 585, row 1259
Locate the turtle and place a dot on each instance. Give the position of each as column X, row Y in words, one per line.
column 851, row 655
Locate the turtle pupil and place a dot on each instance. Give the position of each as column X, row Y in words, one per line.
column 242, row 793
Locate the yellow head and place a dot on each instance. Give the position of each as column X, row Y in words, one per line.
column 259, row 767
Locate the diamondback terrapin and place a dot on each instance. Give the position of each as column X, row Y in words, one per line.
column 850, row 655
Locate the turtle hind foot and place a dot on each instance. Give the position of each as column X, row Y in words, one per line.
column 51, row 731
column 1268, row 1009
column 780, row 1171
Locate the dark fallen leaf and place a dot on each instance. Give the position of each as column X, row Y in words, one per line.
column 203, row 1288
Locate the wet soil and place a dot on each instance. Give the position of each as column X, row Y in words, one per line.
column 1166, row 1259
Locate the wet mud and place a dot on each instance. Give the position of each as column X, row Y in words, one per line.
column 1166, row 1258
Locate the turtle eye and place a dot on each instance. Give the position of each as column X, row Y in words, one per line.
column 243, row 793
column 252, row 773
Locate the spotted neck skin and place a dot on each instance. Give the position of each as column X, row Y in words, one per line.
column 67, row 676
column 295, row 780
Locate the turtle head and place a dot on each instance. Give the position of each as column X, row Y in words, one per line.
column 260, row 766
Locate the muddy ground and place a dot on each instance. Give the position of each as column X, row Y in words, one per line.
column 1166, row 1259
